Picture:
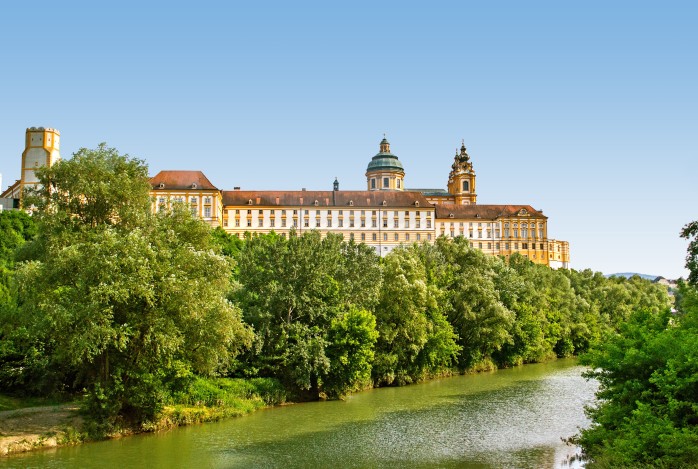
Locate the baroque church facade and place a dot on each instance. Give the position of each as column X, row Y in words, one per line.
column 384, row 216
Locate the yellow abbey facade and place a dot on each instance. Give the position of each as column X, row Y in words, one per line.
column 383, row 216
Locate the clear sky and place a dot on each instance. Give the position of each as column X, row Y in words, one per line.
column 586, row 110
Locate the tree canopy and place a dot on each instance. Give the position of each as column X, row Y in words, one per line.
column 123, row 303
column 647, row 413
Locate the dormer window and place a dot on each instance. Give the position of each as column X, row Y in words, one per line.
column 351, row 203
column 249, row 202
column 317, row 203
column 161, row 185
column 193, row 185
column 385, row 203
column 416, row 204
column 450, row 215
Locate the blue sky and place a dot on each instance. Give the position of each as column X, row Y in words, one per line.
column 586, row 110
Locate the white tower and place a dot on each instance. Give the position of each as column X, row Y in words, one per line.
column 42, row 148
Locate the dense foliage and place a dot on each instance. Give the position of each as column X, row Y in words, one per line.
column 16, row 228
column 647, row 413
column 126, row 305
column 138, row 311
column 438, row 308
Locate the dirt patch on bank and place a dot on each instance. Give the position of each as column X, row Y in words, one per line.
column 35, row 427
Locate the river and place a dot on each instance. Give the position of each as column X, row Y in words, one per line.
column 512, row 418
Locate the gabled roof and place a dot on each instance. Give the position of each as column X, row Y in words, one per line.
column 326, row 198
column 180, row 180
column 486, row 212
column 10, row 190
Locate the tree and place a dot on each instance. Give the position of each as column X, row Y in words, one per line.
column 16, row 228
column 351, row 339
column 474, row 307
column 292, row 291
column 647, row 413
column 126, row 304
column 415, row 339
column 690, row 232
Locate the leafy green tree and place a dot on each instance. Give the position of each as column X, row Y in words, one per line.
column 291, row 290
column 690, row 232
column 475, row 309
column 16, row 228
column 351, row 339
column 415, row 339
column 230, row 245
column 648, row 411
column 125, row 304
column 647, row 415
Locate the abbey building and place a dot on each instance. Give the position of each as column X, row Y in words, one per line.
column 384, row 216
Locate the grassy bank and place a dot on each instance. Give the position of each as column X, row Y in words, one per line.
column 213, row 399
column 32, row 423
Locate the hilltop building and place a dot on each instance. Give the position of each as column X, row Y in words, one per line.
column 384, row 216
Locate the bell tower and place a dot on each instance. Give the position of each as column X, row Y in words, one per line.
column 41, row 148
column 461, row 180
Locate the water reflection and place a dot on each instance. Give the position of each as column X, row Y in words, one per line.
column 509, row 418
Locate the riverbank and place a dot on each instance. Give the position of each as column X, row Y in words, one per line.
column 509, row 418
column 30, row 428
column 207, row 400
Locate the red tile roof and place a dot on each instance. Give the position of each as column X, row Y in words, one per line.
column 178, row 180
column 325, row 198
column 487, row 212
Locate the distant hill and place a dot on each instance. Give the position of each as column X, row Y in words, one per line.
column 630, row 274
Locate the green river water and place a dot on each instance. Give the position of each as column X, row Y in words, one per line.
column 512, row 418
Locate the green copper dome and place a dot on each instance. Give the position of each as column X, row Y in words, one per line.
column 384, row 160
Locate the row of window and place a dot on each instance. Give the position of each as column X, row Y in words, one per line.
column 180, row 199
column 329, row 223
column 386, row 183
column 524, row 233
column 340, row 212
column 374, row 237
column 193, row 208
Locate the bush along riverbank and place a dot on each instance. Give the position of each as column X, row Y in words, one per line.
column 143, row 317
column 27, row 427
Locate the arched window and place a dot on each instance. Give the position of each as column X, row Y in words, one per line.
column 466, row 186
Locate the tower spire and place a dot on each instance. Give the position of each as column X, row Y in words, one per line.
column 461, row 181
column 384, row 145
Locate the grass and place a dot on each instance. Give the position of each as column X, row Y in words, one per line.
column 209, row 400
